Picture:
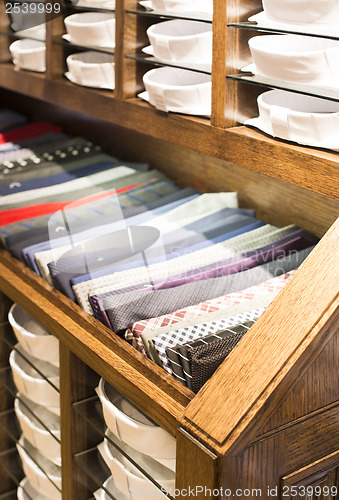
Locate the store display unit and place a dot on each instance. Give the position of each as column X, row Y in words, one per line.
column 268, row 418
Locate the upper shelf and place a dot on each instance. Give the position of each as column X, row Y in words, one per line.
column 306, row 89
column 306, row 167
column 191, row 16
column 287, row 29
column 150, row 59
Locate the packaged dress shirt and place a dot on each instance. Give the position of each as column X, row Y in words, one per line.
column 91, row 69
column 299, row 118
column 178, row 90
column 29, row 54
column 302, row 11
column 34, row 421
column 128, row 479
column 91, row 29
column 27, row 492
column 295, row 58
column 43, row 475
column 134, row 428
column 33, row 338
column 180, row 6
column 181, row 41
column 35, row 385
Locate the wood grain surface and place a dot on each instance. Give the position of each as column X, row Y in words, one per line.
column 255, row 377
column 152, row 389
column 312, row 169
column 269, row 415
column 198, row 470
column 74, row 430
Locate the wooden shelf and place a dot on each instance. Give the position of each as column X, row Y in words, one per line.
column 269, row 415
column 309, row 168
column 145, row 383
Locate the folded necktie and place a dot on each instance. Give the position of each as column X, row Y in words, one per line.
column 63, row 273
column 183, row 335
column 25, row 216
column 180, row 362
column 138, row 215
column 122, row 279
column 64, row 177
column 32, row 212
column 28, row 131
column 115, row 220
column 29, row 253
column 126, row 279
column 38, row 231
column 13, row 166
column 9, row 148
column 125, row 309
column 205, row 359
column 165, row 223
column 295, row 241
column 141, row 332
column 30, row 163
column 60, row 150
column 10, row 119
column 83, row 215
column 27, row 197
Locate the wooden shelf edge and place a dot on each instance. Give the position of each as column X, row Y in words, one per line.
column 277, row 350
column 311, row 169
column 152, row 389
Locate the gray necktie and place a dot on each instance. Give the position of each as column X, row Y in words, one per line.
column 122, row 311
column 178, row 358
column 40, row 222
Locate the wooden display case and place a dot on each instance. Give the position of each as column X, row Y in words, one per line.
column 268, row 418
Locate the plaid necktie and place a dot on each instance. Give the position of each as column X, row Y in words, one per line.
column 188, row 334
column 141, row 332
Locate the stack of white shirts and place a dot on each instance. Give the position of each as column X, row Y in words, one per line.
column 187, row 44
column 92, row 68
column 151, row 447
column 35, row 368
column 304, row 64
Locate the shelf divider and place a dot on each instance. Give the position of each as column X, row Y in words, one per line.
column 54, row 53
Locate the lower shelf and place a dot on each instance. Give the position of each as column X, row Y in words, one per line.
column 11, row 463
column 11, row 495
column 93, row 465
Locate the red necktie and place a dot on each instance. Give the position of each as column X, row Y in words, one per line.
column 32, row 130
